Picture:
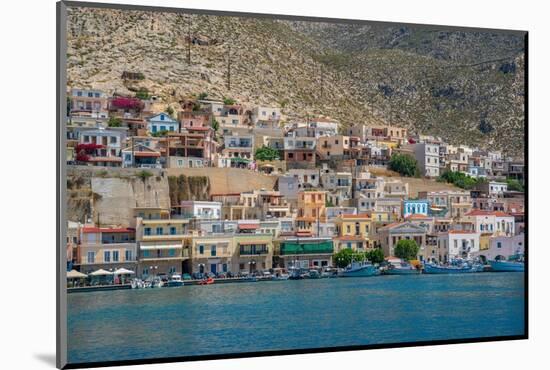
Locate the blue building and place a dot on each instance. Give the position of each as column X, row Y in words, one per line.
column 416, row 207
column 162, row 122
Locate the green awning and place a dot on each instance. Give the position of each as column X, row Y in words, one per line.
column 240, row 160
column 307, row 248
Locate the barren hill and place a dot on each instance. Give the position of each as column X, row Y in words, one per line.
column 464, row 86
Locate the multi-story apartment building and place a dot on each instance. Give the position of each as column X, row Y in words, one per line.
column 161, row 243
column 92, row 102
column 311, row 211
column 238, row 151
column 299, row 152
column 427, row 156
column 305, row 252
column 100, row 146
column 106, row 248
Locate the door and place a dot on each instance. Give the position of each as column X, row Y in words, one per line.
column 213, row 268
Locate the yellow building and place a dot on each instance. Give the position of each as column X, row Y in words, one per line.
column 161, row 246
column 311, row 211
column 353, row 232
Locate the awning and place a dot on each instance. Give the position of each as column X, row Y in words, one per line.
column 239, row 160
column 160, row 246
column 123, row 271
column 73, row 274
column 101, row 272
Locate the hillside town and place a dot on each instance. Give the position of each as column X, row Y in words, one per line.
column 336, row 188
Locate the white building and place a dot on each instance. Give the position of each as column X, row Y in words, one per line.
column 201, row 209
column 427, row 156
column 456, row 244
column 503, row 247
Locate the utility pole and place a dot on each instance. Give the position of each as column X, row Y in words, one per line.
column 189, row 40
column 229, row 67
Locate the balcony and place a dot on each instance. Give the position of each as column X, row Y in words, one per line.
column 253, row 250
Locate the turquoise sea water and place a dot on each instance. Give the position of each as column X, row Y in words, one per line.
column 277, row 315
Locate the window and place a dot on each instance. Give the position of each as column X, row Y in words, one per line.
column 213, row 250
column 172, row 270
column 79, row 93
column 162, row 128
column 128, row 255
column 241, row 266
column 112, row 139
column 91, row 257
column 172, row 230
column 96, row 95
column 224, row 267
column 160, row 231
column 201, row 249
column 162, row 117
column 127, row 157
column 115, row 256
column 499, row 244
column 107, row 256
column 146, row 254
column 145, row 271
column 90, row 95
column 171, row 252
column 86, row 139
column 147, row 231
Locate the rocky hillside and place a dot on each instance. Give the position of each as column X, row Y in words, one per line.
column 463, row 86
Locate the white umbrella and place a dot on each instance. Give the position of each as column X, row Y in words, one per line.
column 123, row 271
column 101, row 272
column 73, row 274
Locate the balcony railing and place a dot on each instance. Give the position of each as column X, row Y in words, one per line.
column 253, row 251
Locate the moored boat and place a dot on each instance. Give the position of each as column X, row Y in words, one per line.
column 360, row 269
column 402, row 268
column 174, row 281
column 451, row 269
column 507, row 266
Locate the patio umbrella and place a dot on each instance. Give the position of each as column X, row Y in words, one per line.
column 101, row 272
column 73, row 274
column 123, row 271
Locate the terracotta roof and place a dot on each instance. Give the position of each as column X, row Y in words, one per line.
column 90, row 229
column 248, row 226
column 481, row 212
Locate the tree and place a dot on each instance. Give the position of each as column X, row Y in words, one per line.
column 405, row 165
column 266, row 153
column 375, row 255
column 346, row 255
column 215, row 125
column 143, row 94
column 228, row 101
column 514, row 185
column 406, row 249
column 202, row 95
column 114, row 122
column 170, row 111
column 459, row 179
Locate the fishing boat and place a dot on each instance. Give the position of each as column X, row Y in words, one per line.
column 360, row 269
column 512, row 264
column 174, row 281
column 452, row 268
column 401, row 268
column 157, row 283
column 279, row 274
column 314, row 274
column 295, row 273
